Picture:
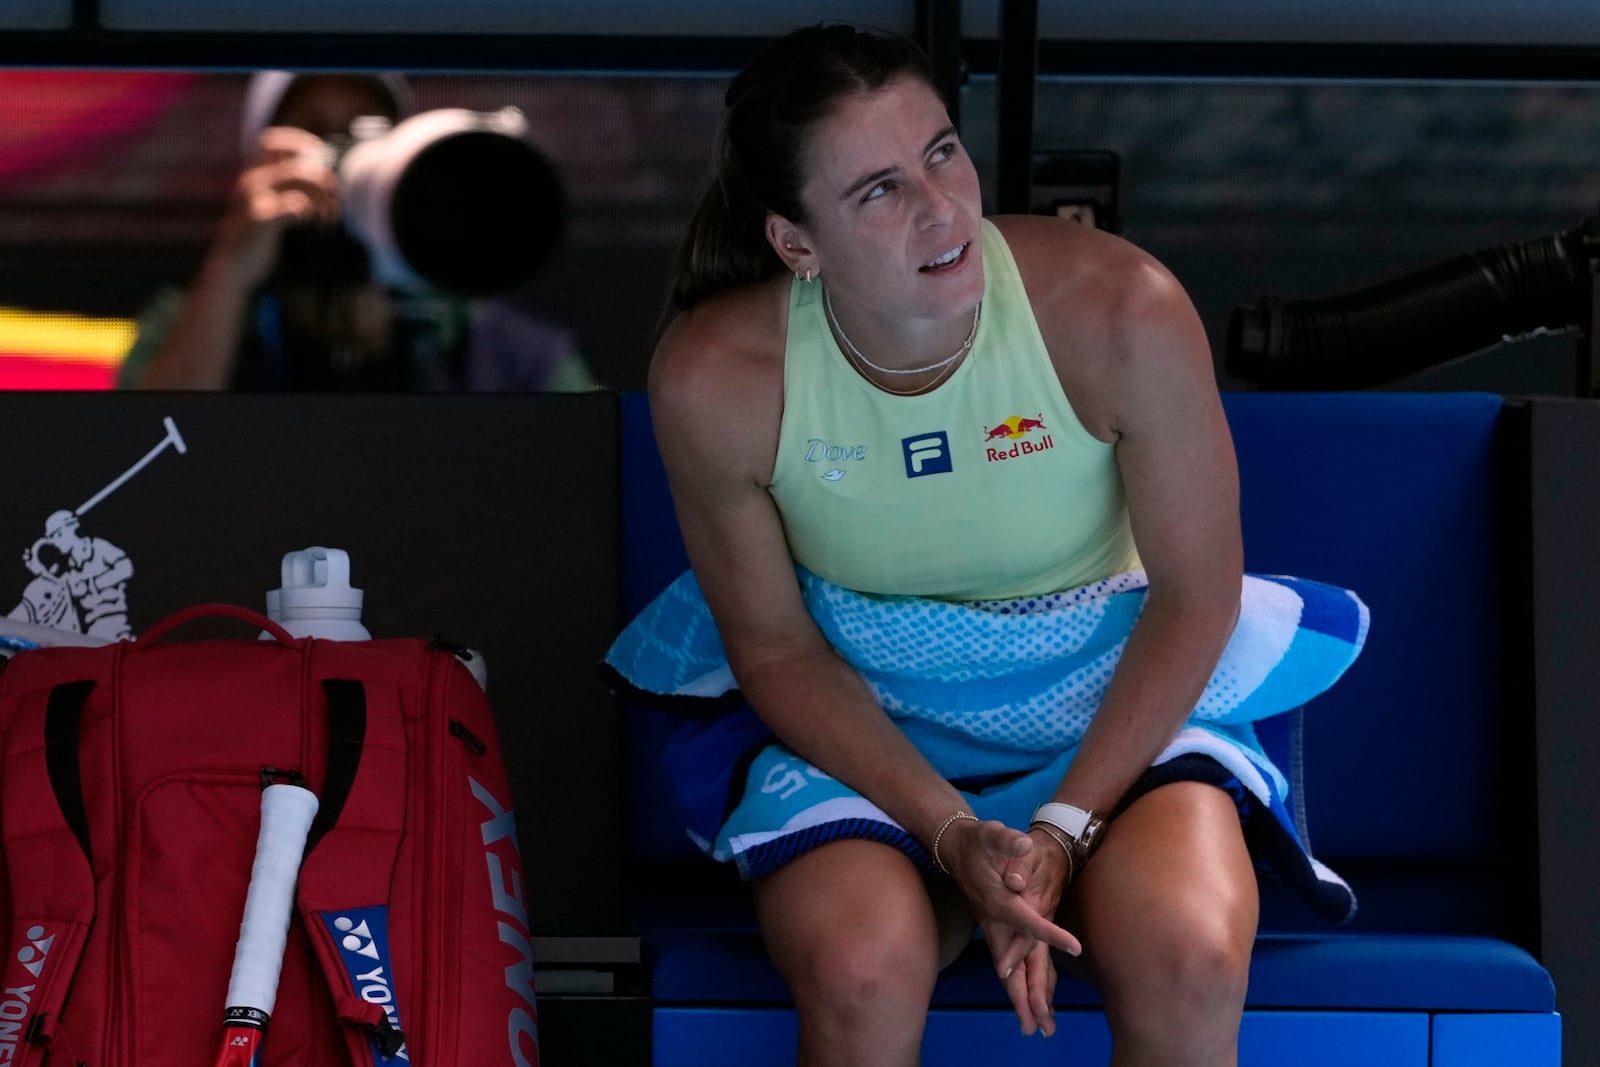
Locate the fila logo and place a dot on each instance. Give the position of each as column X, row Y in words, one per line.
column 358, row 937
column 32, row 955
column 927, row 453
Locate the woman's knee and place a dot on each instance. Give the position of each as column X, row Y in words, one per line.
column 852, row 930
column 866, row 968
column 1193, row 962
column 1169, row 903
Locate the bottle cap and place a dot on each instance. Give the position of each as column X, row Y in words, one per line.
column 316, row 582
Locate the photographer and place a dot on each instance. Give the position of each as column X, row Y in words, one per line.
column 287, row 299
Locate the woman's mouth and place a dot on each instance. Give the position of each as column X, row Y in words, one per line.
column 952, row 258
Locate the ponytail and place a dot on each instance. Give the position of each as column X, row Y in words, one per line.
column 725, row 245
column 793, row 83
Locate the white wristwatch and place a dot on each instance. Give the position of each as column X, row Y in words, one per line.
column 1081, row 826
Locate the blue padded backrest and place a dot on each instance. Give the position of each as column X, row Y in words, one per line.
column 652, row 549
column 1390, row 494
column 652, row 555
column 1393, row 495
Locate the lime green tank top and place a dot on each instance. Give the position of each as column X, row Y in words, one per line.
column 987, row 487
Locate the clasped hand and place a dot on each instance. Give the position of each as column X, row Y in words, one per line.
column 1013, row 883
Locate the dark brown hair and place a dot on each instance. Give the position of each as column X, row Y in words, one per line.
column 773, row 103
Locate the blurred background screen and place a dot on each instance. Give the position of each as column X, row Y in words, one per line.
column 112, row 181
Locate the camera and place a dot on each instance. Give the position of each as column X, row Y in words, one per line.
column 1406, row 324
column 449, row 200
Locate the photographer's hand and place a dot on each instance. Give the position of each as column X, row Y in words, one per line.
column 290, row 182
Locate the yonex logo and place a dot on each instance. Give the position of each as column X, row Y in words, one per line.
column 16, row 1002
column 358, row 937
column 927, row 453
column 362, row 935
column 32, row 955
column 504, row 860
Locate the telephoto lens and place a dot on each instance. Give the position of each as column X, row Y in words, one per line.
column 453, row 200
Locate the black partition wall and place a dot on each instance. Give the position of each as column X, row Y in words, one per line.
column 488, row 520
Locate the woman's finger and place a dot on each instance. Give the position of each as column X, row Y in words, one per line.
column 1019, row 872
column 1015, row 983
column 1002, row 842
column 1018, row 914
column 1041, row 988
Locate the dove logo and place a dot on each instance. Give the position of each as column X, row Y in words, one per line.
column 362, row 935
column 818, row 451
column 17, row 1000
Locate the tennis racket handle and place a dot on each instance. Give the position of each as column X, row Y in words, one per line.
column 241, row 1038
column 286, row 814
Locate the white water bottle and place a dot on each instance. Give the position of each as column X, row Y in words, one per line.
column 316, row 599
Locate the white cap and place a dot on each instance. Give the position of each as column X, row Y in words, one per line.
column 266, row 91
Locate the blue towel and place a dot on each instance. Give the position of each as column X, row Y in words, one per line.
column 996, row 695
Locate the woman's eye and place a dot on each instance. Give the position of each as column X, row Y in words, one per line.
column 875, row 192
column 944, row 152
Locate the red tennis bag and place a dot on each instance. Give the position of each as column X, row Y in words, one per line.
column 130, row 790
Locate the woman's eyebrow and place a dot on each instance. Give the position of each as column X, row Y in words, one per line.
column 878, row 175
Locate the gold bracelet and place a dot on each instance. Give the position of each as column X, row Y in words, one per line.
column 1055, row 835
column 937, row 862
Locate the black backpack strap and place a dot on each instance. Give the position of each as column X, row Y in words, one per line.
column 343, row 890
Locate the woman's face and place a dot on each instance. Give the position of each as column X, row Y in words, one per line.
column 894, row 208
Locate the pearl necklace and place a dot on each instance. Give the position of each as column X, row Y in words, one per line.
column 972, row 334
column 918, row 391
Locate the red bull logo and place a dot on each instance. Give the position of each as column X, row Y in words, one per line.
column 1017, row 428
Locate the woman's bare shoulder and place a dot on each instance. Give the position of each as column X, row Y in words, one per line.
column 1106, row 308
column 1058, row 258
column 720, row 365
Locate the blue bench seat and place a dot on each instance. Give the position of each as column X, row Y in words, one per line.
column 1395, row 495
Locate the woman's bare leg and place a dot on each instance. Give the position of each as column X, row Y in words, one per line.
column 853, row 929
column 1167, row 913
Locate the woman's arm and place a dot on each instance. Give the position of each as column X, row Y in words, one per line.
column 716, row 415
column 1176, row 458
column 1136, row 365
column 1135, row 361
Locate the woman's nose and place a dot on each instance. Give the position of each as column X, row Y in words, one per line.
column 937, row 207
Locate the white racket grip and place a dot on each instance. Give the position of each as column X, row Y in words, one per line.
column 286, row 814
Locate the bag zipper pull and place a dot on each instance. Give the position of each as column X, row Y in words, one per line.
column 468, row 738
